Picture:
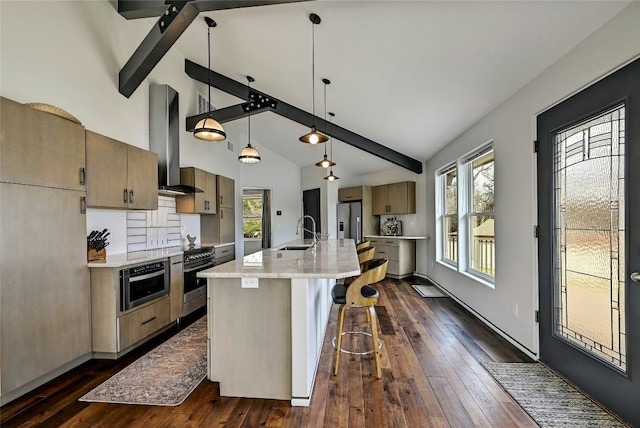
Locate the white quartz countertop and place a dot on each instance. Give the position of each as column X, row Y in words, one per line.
column 126, row 259
column 334, row 258
column 396, row 237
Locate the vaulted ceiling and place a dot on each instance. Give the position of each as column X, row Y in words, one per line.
column 409, row 75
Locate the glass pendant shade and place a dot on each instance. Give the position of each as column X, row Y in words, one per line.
column 249, row 155
column 208, row 129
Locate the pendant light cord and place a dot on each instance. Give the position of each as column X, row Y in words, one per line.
column 325, row 114
column 209, row 69
column 313, row 73
column 249, row 118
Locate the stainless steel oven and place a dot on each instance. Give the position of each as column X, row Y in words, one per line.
column 195, row 289
column 143, row 283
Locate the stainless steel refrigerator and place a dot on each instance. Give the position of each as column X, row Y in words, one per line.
column 350, row 221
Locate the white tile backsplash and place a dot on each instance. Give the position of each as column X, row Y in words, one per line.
column 148, row 230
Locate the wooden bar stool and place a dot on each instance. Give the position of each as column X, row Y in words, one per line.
column 366, row 254
column 356, row 295
column 363, row 244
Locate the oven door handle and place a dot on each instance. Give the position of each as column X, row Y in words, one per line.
column 147, row 276
column 200, row 267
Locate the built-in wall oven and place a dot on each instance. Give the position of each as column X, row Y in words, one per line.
column 195, row 289
column 143, row 283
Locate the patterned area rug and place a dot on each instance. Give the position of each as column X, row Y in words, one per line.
column 164, row 376
column 548, row 399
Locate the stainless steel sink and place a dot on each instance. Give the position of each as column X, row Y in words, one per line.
column 294, row 248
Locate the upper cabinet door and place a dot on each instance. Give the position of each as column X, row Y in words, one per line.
column 107, row 165
column 379, row 199
column 31, row 154
column 201, row 202
column 402, row 198
column 226, row 192
column 119, row 175
column 142, row 173
column 395, row 198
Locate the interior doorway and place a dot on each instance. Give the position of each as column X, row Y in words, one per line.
column 256, row 219
column 311, row 206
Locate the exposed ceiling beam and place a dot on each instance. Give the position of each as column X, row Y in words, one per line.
column 135, row 9
column 226, row 84
column 175, row 17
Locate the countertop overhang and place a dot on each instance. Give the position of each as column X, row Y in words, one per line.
column 333, row 258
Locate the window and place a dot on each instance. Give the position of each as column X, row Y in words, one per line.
column 465, row 192
column 449, row 219
column 252, row 215
column 481, row 237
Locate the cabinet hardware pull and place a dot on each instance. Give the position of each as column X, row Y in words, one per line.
column 126, row 198
column 149, row 320
column 221, row 214
column 83, row 205
column 83, row 176
column 221, row 203
column 131, row 196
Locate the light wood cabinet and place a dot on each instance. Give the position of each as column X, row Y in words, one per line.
column 226, row 192
column 225, row 253
column 44, row 284
column 201, row 202
column 394, row 198
column 45, row 302
column 176, row 286
column 114, row 333
column 39, row 148
column 348, row 194
column 119, row 175
column 221, row 227
column 401, row 254
column 141, row 323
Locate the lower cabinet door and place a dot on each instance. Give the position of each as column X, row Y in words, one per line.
column 137, row 325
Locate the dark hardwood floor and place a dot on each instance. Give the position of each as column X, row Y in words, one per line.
column 431, row 377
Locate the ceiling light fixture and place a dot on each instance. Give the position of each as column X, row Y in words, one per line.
column 249, row 154
column 331, row 176
column 313, row 137
column 325, row 162
column 208, row 129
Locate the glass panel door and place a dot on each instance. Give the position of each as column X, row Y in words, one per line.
column 589, row 236
column 589, row 240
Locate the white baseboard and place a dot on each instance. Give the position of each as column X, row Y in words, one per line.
column 486, row 322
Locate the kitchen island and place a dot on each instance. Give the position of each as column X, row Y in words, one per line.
column 267, row 317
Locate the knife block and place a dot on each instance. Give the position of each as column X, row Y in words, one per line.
column 94, row 255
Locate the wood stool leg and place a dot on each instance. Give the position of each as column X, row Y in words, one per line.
column 339, row 329
column 373, row 319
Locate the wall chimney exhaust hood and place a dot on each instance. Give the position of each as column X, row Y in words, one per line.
column 164, row 139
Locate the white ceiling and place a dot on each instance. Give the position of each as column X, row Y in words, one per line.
column 411, row 75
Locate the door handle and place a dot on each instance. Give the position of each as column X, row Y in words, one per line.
column 635, row 277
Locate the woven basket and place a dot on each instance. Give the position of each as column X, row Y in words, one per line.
column 54, row 110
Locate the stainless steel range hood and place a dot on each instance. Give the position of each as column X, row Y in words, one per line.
column 164, row 139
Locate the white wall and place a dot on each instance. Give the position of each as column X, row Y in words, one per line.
column 512, row 127
column 69, row 54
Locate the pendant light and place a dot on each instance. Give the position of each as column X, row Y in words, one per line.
column 249, row 154
column 331, row 176
column 208, row 129
column 313, row 137
column 325, row 162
